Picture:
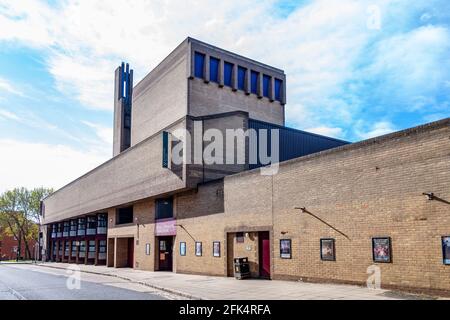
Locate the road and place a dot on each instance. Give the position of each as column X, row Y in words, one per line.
column 29, row 282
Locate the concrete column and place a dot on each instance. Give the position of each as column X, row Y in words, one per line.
column 260, row 85
column 234, row 78
column 272, row 89
column 221, row 72
column 117, row 131
column 206, row 77
column 248, row 81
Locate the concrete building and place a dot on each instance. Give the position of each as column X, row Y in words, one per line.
column 333, row 211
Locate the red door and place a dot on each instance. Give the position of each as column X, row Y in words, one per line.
column 131, row 252
column 264, row 255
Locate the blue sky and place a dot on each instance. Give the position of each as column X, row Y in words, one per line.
column 355, row 69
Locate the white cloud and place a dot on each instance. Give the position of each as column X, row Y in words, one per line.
column 35, row 164
column 6, row 86
column 105, row 134
column 323, row 45
column 378, row 129
column 413, row 66
column 5, row 114
column 334, row 132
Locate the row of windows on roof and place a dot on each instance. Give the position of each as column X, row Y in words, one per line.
column 214, row 65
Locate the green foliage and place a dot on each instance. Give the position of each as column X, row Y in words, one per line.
column 19, row 214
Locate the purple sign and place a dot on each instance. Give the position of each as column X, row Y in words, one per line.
column 165, row 227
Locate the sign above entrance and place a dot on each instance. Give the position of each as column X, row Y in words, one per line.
column 165, row 227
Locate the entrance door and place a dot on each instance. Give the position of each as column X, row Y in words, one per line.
column 165, row 253
column 264, row 254
column 130, row 252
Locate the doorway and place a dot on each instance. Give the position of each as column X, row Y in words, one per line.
column 264, row 254
column 165, row 258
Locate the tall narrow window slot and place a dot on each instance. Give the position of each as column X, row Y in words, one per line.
column 199, row 65
column 214, row 70
column 254, row 82
column 278, row 88
column 241, row 78
column 227, row 74
column 266, row 85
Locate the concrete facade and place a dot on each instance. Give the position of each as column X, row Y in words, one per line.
column 351, row 194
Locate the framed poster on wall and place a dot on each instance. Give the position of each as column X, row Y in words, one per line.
column 216, row 249
column 198, row 249
column 382, row 250
column 327, row 250
column 285, row 249
column 182, row 248
column 446, row 249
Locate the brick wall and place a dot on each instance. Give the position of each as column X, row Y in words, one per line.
column 370, row 189
column 364, row 190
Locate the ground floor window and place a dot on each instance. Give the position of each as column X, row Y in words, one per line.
column 102, row 250
column 74, row 249
column 60, row 249
column 82, row 253
column 66, row 248
column 91, row 249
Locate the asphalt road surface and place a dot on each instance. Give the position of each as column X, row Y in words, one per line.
column 29, row 282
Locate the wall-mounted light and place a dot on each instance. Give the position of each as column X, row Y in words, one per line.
column 430, row 195
column 283, row 232
column 247, row 234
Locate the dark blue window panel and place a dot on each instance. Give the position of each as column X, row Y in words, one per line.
column 254, row 82
column 199, row 64
column 227, row 72
column 165, row 149
column 164, row 208
column 278, row 88
column 266, row 85
column 214, row 70
column 241, row 78
column 293, row 143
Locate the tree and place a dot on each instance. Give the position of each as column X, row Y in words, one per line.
column 19, row 215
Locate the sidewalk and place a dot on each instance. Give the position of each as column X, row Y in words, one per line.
column 216, row 288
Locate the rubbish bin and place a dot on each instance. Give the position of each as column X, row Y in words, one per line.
column 241, row 268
